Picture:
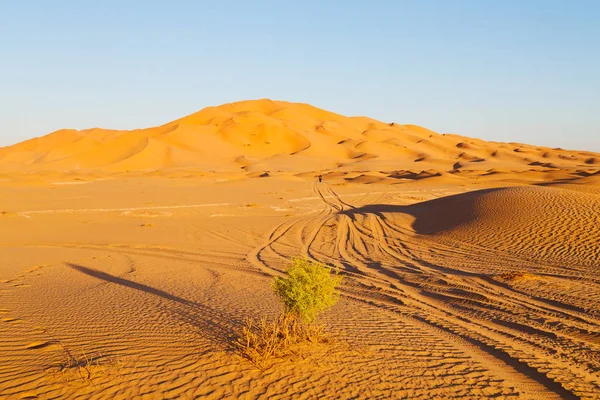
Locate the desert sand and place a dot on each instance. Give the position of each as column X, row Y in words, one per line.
column 470, row 267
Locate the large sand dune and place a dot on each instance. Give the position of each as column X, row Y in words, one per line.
column 262, row 134
column 470, row 267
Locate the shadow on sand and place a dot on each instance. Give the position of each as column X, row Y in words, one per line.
column 218, row 325
column 430, row 216
column 130, row 284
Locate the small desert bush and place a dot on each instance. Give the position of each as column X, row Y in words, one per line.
column 83, row 370
column 264, row 340
column 309, row 288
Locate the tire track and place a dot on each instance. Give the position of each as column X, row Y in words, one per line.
column 385, row 268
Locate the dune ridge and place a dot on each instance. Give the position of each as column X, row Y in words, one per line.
column 271, row 135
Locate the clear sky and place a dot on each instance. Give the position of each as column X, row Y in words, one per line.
column 526, row 71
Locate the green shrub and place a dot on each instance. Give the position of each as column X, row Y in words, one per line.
column 309, row 288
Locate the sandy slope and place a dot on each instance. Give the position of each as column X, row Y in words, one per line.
column 145, row 250
column 266, row 135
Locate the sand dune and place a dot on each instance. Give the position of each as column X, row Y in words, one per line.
column 470, row 267
column 543, row 224
column 264, row 132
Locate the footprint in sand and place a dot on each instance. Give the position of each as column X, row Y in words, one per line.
column 18, row 281
column 35, row 269
column 12, row 282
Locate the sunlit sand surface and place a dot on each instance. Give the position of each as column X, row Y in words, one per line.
column 129, row 259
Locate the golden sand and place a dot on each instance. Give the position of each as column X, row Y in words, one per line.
column 129, row 259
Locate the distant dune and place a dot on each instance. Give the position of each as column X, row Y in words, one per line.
column 266, row 135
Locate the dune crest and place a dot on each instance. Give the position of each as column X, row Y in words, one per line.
column 262, row 133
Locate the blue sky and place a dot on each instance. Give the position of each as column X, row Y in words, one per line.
column 526, row 71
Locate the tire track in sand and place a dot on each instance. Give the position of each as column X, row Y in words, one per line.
column 358, row 246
